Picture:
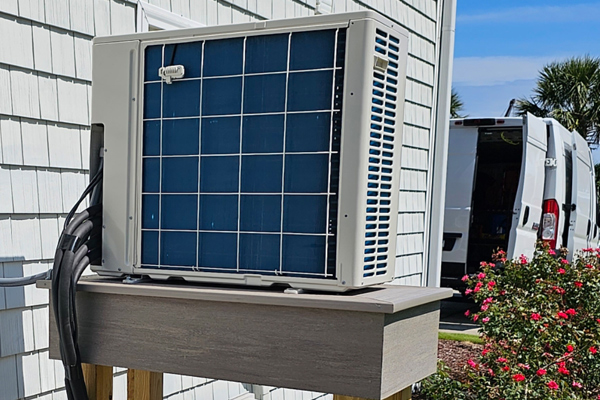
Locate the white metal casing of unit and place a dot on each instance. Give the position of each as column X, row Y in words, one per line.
column 372, row 110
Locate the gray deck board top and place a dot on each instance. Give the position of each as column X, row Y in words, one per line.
column 369, row 343
column 387, row 299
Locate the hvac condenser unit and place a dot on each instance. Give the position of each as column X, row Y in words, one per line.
column 258, row 153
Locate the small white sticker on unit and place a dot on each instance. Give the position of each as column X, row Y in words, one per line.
column 380, row 64
column 171, row 72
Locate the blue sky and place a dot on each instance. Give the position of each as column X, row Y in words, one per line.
column 501, row 45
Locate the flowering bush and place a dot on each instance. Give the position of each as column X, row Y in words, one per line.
column 540, row 321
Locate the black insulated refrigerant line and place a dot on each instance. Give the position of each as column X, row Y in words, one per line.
column 79, row 246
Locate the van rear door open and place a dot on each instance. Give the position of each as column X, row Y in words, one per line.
column 581, row 230
column 527, row 210
column 462, row 159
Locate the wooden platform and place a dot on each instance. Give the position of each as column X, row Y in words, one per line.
column 371, row 344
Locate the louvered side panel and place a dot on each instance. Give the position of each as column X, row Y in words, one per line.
column 384, row 141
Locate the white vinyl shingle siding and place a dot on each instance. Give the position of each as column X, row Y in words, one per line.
column 45, row 88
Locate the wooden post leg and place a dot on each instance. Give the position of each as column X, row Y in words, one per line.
column 144, row 385
column 405, row 394
column 99, row 381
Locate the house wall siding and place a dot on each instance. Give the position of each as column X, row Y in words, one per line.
column 45, row 73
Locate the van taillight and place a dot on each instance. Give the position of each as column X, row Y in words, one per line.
column 550, row 222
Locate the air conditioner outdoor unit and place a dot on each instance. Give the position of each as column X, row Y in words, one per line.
column 261, row 153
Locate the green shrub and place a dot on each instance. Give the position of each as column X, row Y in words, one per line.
column 540, row 322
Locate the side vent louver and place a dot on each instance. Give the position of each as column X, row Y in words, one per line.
column 381, row 153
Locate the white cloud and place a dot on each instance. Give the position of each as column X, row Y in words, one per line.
column 495, row 70
column 547, row 14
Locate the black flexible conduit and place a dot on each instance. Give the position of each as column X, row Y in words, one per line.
column 79, row 246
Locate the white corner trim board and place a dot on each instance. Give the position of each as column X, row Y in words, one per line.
column 150, row 17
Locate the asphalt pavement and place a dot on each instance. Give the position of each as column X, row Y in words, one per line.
column 452, row 315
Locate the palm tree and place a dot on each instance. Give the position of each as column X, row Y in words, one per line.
column 568, row 91
column 456, row 105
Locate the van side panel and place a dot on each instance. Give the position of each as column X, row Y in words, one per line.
column 527, row 211
column 559, row 142
column 462, row 153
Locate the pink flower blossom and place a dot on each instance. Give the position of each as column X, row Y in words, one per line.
column 467, row 313
column 468, row 292
column 563, row 370
column 552, row 385
column 488, row 300
column 551, row 252
column 577, row 385
column 561, row 271
column 571, row 311
column 593, row 350
column 518, row 377
column 465, row 278
column 491, row 284
column 535, row 316
column 472, row 363
column 485, row 307
column 563, row 315
column 578, row 284
column 501, row 359
column 523, row 259
column 541, row 372
column 481, row 275
column 485, row 320
column 562, row 260
column 475, row 317
column 570, row 348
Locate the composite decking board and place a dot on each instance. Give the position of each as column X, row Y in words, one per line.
column 400, row 340
column 386, row 299
column 364, row 345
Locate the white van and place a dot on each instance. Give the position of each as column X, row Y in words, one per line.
column 510, row 182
